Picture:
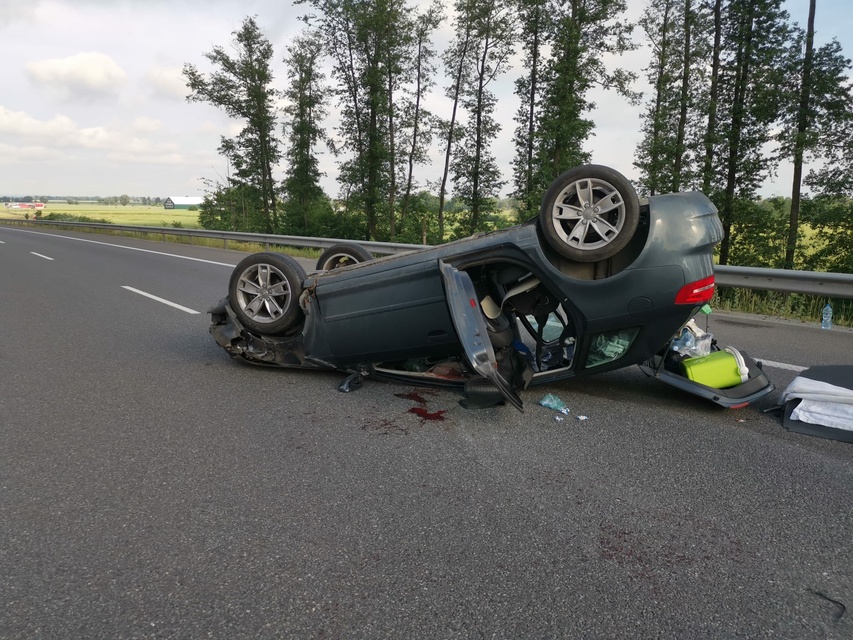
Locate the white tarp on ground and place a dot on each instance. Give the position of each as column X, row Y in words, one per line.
column 821, row 403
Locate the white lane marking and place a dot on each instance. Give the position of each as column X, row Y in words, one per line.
column 1, row 242
column 782, row 365
column 153, row 297
column 121, row 246
column 41, row 256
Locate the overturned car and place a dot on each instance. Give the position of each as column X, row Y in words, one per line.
column 596, row 282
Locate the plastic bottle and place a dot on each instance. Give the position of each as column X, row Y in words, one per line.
column 826, row 317
column 684, row 342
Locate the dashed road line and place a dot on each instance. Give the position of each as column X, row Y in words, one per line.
column 782, row 365
column 163, row 300
column 41, row 256
column 122, row 246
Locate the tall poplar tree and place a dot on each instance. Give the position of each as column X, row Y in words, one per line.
column 829, row 212
column 535, row 33
column 667, row 154
column 585, row 33
column 476, row 175
column 418, row 123
column 821, row 102
column 710, row 137
column 366, row 40
column 454, row 58
column 241, row 85
column 306, row 95
column 656, row 151
column 747, row 95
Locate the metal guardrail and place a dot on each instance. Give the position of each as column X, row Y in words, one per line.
column 828, row 285
column 377, row 248
column 816, row 283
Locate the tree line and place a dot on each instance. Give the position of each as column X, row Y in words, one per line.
column 737, row 88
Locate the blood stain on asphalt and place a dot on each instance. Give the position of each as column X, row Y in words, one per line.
column 414, row 396
column 425, row 415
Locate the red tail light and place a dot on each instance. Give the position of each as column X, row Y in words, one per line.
column 698, row 292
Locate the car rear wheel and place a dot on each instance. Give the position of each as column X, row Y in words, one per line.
column 264, row 292
column 589, row 213
column 342, row 255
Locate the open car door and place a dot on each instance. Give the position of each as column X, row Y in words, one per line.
column 473, row 333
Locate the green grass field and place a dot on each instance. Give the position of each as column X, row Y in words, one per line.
column 140, row 215
column 150, row 216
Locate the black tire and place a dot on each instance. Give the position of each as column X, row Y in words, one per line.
column 572, row 219
column 343, row 255
column 264, row 292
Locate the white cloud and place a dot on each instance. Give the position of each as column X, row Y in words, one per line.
column 167, row 83
column 63, row 133
column 144, row 124
column 209, row 128
column 148, row 158
column 84, row 76
column 95, row 138
column 59, row 131
column 143, row 146
column 10, row 155
column 20, row 124
column 14, row 10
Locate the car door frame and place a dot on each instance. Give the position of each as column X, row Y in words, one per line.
column 472, row 331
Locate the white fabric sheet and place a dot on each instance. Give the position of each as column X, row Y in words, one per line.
column 828, row 414
column 821, row 403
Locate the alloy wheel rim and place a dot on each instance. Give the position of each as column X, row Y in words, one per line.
column 588, row 214
column 263, row 293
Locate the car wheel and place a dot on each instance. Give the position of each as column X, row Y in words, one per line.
column 589, row 213
column 343, row 255
column 264, row 292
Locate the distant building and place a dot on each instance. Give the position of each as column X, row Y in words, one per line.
column 182, row 202
column 24, row 205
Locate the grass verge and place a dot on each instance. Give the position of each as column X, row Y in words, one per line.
column 791, row 306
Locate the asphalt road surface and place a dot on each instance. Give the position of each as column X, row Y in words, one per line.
column 151, row 487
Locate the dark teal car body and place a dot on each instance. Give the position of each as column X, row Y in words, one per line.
column 499, row 311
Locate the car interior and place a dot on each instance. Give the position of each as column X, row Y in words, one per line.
column 522, row 317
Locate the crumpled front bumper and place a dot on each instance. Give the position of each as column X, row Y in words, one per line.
column 239, row 342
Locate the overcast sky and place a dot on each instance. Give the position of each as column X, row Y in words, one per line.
column 93, row 101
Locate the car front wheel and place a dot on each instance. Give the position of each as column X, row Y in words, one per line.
column 589, row 213
column 264, row 292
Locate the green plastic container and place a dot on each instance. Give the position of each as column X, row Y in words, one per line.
column 720, row 370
